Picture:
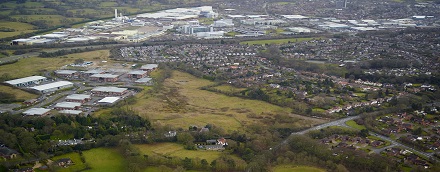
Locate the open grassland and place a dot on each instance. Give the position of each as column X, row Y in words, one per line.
column 353, row 124
column 78, row 164
column 182, row 103
column 19, row 94
column 293, row 168
column 105, row 159
column 177, row 150
column 17, row 26
column 229, row 88
column 276, row 41
column 51, row 20
column 36, row 66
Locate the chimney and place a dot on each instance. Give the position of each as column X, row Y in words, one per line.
column 116, row 13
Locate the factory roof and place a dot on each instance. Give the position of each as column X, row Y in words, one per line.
column 149, row 66
column 71, row 112
column 36, row 111
column 137, row 72
column 52, row 85
column 294, row 16
column 24, row 80
column 78, row 97
column 109, row 100
column 109, row 89
column 67, row 105
column 66, row 72
column 105, row 75
column 143, row 80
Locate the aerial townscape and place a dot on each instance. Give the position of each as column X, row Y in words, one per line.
column 220, row 85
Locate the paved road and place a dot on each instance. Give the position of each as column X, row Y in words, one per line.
column 339, row 122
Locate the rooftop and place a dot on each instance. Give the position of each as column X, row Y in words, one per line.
column 143, row 80
column 137, row 72
column 78, row 96
column 106, row 75
column 149, row 66
column 110, row 100
column 36, row 111
column 24, row 80
column 110, row 89
column 52, row 85
column 71, row 112
column 67, row 104
column 66, row 72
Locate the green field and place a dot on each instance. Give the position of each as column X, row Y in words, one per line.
column 276, row 41
column 177, row 150
column 36, row 66
column 78, row 164
column 19, row 94
column 104, row 159
column 17, row 26
column 353, row 124
column 293, row 168
column 189, row 105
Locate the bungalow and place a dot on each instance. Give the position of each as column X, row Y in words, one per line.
column 64, row 162
column 7, row 153
column 376, row 143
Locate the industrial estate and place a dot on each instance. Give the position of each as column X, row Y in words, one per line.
column 220, row 85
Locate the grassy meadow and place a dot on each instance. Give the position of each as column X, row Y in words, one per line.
column 105, row 159
column 76, row 159
column 177, row 150
column 37, row 66
column 19, row 94
column 293, row 168
column 182, row 103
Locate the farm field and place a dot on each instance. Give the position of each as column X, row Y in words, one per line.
column 293, row 168
column 183, row 103
column 104, row 159
column 177, row 150
column 276, row 41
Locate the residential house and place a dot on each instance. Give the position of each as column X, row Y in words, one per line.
column 7, row 153
column 64, row 162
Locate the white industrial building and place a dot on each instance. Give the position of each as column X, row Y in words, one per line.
column 67, row 106
column 24, row 82
column 71, row 112
column 53, row 86
column 108, row 100
column 104, row 91
column 36, row 112
column 223, row 23
column 149, row 67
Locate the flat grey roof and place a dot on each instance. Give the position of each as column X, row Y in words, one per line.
column 110, row 89
column 109, row 100
column 24, row 80
column 71, row 112
column 143, row 80
column 104, row 76
column 67, row 104
column 78, row 96
column 52, row 85
column 149, row 66
column 137, row 72
column 36, row 111
column 66, row 72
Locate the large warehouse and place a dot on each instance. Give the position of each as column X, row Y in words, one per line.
column 109, row 91
column 24, row 82
column 53, row 86
column 36, row 112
